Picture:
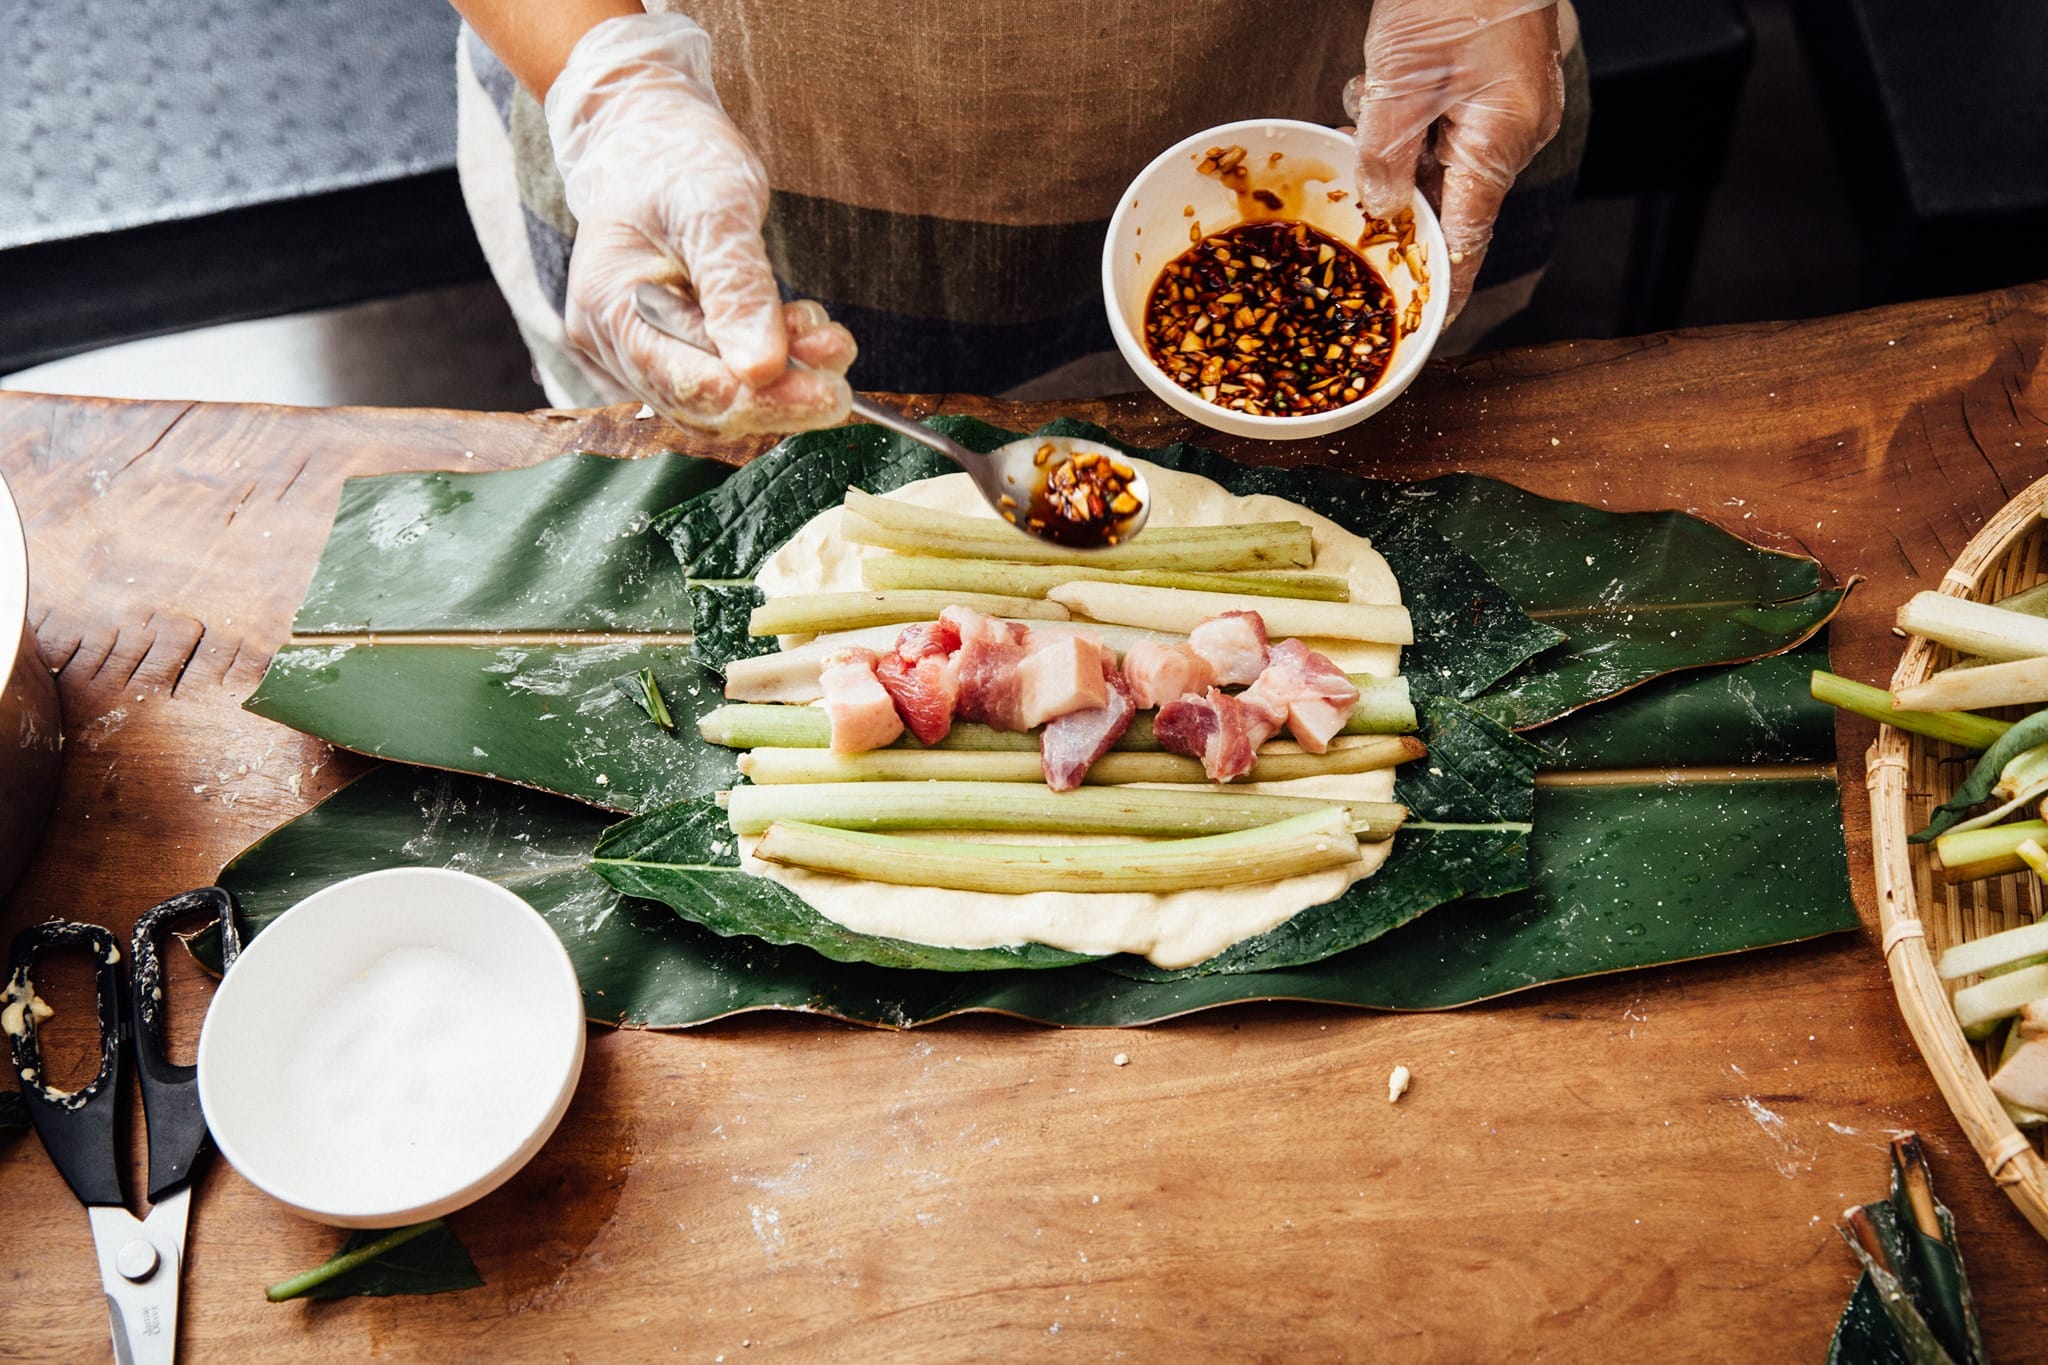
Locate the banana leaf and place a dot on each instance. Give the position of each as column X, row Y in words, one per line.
column 550, row 716
column 562, row 546
column 1477, row 783
column 1761, row 713
column 13, row 1111
column 432, row 687
column 1637, row 874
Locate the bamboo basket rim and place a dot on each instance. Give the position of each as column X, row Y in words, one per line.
column 1910, row 935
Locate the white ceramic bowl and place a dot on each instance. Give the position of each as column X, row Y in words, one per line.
column 1150, row 228
column 392, row 1047
column 29, row 724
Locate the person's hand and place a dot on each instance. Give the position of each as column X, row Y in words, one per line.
column 1458, row 96
column 665, row 189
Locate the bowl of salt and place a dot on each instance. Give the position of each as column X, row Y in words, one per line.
column 391, row 1048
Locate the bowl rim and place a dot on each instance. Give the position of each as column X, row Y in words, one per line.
column 314, row 1203
column 1392, row 381
column 14, row 585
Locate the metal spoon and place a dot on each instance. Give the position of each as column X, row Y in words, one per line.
column 1012, row 477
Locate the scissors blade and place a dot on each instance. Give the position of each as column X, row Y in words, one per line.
column 140, row 1264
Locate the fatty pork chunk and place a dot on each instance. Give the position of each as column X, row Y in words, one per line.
column 1313, row 694
column 1233, row 644
column 1222, row 730
column 1070, row 743
column 1015, row 679
column 1160, row 673
column 861, row 712
column 922, row 678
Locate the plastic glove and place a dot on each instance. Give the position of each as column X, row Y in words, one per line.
column 1459, row 96
column 664, row 188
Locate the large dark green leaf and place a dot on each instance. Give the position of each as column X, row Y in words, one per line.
column 1623, row 876
column 1477, row 781
column 13, row 1112
column 1471, row 633
column 546, row 716
column 560, row 546
column 1638, row 594
column 1763, row 712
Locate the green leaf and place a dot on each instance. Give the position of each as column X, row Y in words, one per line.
column 564, row 545
column 1639, row 594
column 721, row 611
column 1976, row 789
column 1761, row 712
column 544, row 716
column 13, row 1112
column 424, row 1259
column 686, row 856
column 1623, row 877
column 643, row 689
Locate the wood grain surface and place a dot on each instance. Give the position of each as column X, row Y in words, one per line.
column 1641, row 1166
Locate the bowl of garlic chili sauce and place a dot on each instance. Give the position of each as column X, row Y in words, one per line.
column 392, row 1047
column 1249, row 290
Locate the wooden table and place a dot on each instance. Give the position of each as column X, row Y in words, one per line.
column 1645, row 1165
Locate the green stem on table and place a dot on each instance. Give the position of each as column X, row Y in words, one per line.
column 1036, row 580
column 1957, row 727
column 1288, row 848
column 1140, row 811
column 1276, row 763
column 348, row 1260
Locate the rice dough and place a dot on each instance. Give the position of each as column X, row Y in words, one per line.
column 1176, row 929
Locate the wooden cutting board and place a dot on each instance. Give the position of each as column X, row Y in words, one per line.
column 1644, row 1165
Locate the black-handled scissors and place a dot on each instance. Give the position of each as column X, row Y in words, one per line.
column 140, row 1258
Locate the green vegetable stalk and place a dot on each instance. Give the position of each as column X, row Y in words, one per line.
column 1138, row 811
column 1304, row 843
column 348, row 1260
column 1960, row 728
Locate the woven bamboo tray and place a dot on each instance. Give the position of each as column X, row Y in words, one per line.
column 1921, row 914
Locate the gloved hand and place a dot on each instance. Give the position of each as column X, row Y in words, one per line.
column 1458, row 96
column 664, row 188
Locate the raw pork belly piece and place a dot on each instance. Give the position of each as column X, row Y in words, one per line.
column 1313, row 693
column 1233, row 645
column 967, row 624
column 925, row 692
column 1223, row 731
column 927, row 639
column 1070, row 744
column 861, row 712
column 1061, row 674
column 1160, row 673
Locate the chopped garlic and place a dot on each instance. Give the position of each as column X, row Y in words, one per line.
column 1397, row 1083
